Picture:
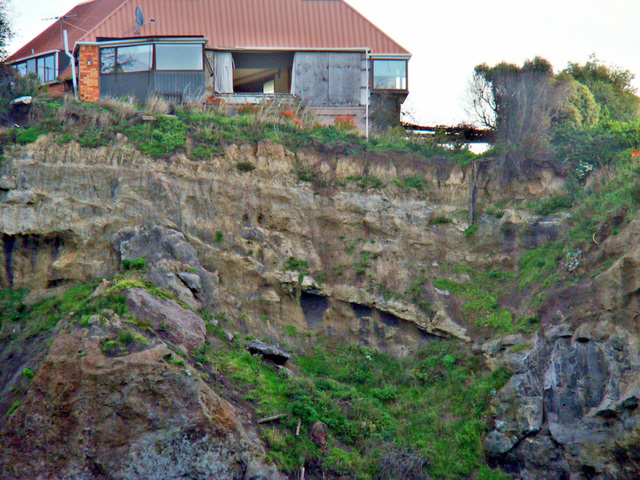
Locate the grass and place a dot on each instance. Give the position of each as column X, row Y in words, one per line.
column 297, row 265
column 431, row 407
column 203, row 131
column 480, row 297
column 417, row 182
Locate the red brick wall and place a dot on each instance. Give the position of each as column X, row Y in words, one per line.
column 88, row 73
column 57, row 90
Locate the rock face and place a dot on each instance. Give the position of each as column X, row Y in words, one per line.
column 182, row 327
column 220, row 238
column 571, row 408
column 88, row 415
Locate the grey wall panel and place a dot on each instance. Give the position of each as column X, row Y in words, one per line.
column 177, row 85
column 312, row 77
column 137, row 84
column 328, row 78
column 344, row 78
column 183, row 85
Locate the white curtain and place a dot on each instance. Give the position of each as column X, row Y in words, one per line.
column 223, row 72
column 294, row 75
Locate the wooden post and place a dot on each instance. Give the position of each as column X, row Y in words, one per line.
column 473, row 188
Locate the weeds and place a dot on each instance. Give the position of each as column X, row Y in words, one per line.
column 382, row 413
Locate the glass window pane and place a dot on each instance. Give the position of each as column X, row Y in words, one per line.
column 31, row 66
column 22, row 69
column 178, row 57
column 390, row 74
column 134, row 59
column 40, row 68
column 107, row 60
column 49, row 68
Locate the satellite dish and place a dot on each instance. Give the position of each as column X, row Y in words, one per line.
column 139, row 17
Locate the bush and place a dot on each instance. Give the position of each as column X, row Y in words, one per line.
column 439, row 220
column 27, row 135
column 139, row 263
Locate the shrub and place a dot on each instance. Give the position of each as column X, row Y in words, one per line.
column 345, row 122
column 27, row 372
column 27, row 135
column 439, row 220
column 245, row 166
column 139, row 263
column 471, row 230
column 218, row 236
column 13, row 407
column 161, row 137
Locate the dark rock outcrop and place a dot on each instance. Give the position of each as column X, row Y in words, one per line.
column 570, row 409
column 268, row 351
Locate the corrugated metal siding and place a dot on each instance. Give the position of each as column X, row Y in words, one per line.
column 253, row 23
column 178, row 85
column 137, row 84
column 184, row 85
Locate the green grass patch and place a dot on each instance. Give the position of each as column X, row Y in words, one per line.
column 480, row 297
column 431, row 406
column 539, row 264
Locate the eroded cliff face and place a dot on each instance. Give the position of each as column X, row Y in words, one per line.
column 571, row 408
column 244, row 235
column 68, row 213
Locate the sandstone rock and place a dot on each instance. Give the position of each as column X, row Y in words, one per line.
column 182, row 327
column 191, row 280
column 7, row 183
column 318, row 433
column 131, row 417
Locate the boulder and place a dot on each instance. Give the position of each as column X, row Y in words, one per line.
column 180, row 326
column 268, row 351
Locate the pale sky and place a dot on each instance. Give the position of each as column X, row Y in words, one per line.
column 447, row 39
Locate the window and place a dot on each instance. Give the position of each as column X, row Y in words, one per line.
column 50, row 68
column 107, row 60
column 390, row 74
column 137, row 58
column 178, row 57
column 44, row 67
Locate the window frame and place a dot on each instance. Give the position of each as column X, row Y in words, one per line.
column 154, row 53
column 38, row 65
column 373, row 75
column 155, row 58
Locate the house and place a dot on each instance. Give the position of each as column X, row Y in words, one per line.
column 323, row 51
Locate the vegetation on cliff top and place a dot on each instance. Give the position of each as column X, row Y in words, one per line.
column 159, row 130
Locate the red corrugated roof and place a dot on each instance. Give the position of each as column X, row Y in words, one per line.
column 226, row 24
column 78, row 21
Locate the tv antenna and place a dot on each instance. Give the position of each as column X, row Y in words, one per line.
column 140, row 20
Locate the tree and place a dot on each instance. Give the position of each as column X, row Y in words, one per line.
column 611, row 88
column 6, row 33
column 519, row 104
column 580, row 110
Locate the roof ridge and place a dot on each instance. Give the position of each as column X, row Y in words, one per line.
column 124, row 2
column 348, row 5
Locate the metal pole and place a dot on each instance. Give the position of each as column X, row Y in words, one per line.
column 366, row 116
column 73, row 64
